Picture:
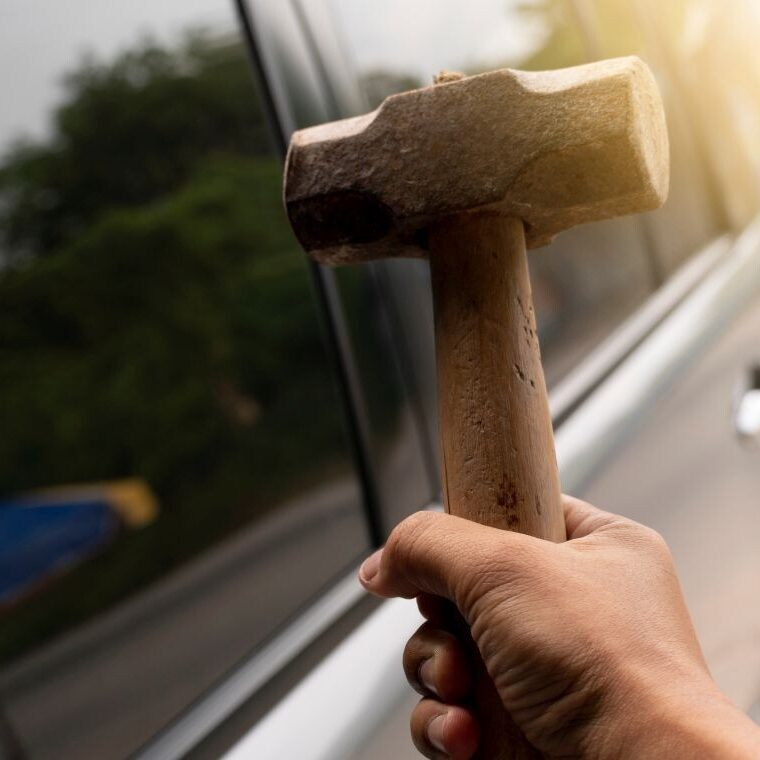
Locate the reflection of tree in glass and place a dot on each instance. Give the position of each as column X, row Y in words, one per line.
column 157, row 317
column 128, row 132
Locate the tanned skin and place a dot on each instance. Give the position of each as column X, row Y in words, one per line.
column 589, row 643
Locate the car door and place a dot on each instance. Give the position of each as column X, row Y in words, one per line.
column 685, row 469
column 649, row 328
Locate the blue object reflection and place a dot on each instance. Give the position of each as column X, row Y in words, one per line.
column 40, row 539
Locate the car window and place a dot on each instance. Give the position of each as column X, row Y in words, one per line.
column 375, row 345
column 716, row 69
column 592, row 277
column 175, row 481
column 695, row 211
column 404, row 467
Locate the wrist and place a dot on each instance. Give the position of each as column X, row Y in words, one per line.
column 679, row 717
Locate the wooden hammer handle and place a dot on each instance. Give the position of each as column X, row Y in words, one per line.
column 497, row 449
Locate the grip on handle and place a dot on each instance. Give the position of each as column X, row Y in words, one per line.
column 497, row 449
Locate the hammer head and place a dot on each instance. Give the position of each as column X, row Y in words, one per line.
column 553, row 148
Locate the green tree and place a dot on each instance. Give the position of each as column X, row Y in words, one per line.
column 157, row 316
column 128, row 132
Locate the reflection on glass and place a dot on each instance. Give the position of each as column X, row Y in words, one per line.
column 404, row 470
column 396, row 46
column 690, row 218
column 46, row 533
column 172, row 444
column 587, row 282
column 415, row 40
column 711, row 50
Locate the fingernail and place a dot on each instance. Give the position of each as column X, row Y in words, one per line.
column 435, row 732
column 427, row 675
column 370, row 567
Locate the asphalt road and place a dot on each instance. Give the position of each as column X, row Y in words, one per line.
column 101, row 691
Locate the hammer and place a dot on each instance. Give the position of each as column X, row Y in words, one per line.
column 469, row 173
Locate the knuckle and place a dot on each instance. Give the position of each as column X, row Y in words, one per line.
column 411, row 652
column 643, row 538
column 411, row 661
column 406, row 538
column 647, row 543
column 655, row 542
column 417, row 647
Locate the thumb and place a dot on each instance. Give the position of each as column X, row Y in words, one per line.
column 447, row 556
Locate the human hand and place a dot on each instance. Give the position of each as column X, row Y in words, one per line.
column 589, row 643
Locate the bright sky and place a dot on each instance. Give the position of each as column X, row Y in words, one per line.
column 424, row 36
column 40, row 39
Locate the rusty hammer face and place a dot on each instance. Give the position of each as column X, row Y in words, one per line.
column 466, row 173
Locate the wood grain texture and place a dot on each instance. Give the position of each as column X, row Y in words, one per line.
column 497, row 448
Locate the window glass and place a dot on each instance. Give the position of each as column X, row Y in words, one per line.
column 174, row 477
column 403, row 462
column 693, row 214
column 592, row 277
column 710, row 48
